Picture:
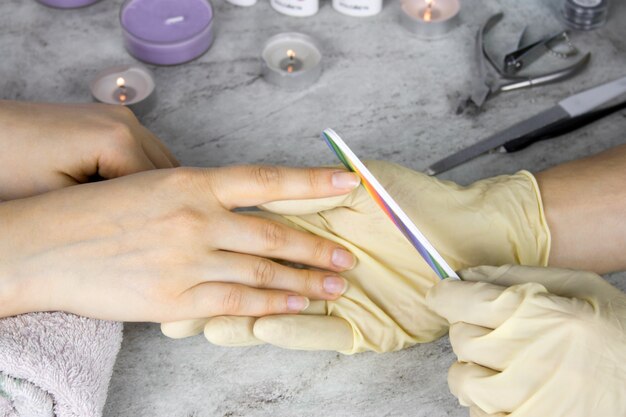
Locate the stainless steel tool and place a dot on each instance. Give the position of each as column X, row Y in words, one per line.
column 492, row 79
column 569, row 114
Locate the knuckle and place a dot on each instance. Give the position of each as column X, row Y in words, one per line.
column 120, row 136
column 321, row 251
column 267, row 177
column 233, row 300
column 275, row 304
column 123, row 112
column 274, row 236
column 310, row 283
column 313, row 178
column 264, row 273
column 180, row 178
column 188, row 217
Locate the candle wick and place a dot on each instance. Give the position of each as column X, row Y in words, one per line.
column 174, row 20
column 428, row 12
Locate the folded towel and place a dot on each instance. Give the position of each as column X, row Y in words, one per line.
column 56, row 364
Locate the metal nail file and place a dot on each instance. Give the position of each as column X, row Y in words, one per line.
column 572, row 107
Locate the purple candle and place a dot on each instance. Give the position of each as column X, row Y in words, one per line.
column 167, row 32
column 67, row 4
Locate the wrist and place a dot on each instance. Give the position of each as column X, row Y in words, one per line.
column 15, row 286
column 506, row 222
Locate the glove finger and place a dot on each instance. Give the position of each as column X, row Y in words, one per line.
column 305, row 332
column 183, row 328
column 477, row 412
column 563, row 282
column 237, row 330
column 473, row 344
column 478, row 303
column 231, row 331
column 308, row 206
column 491, row 391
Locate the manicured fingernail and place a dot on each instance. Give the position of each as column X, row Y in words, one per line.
column 345, row 180
column 343, row 259
column 335, row 285
column 297, row 303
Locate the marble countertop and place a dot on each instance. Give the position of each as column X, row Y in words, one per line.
column 391, row 96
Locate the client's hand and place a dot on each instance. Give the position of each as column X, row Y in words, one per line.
column 50, row 146
column 497, row 221
column 540, row 342
column 164, row 245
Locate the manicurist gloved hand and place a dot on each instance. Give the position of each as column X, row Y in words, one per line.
column 49, row 146
column 535, row 342
column 498, row 221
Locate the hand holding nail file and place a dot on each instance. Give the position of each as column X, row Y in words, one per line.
column 575, row 111
column 494, row 221
column 388, row 205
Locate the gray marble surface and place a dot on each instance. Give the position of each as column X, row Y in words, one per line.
column 390, row 95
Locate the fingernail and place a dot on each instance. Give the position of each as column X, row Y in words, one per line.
column 335, row 285
column 343, row 259
column 345, row 180
column 297, row 303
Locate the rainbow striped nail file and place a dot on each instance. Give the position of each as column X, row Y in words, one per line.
column 388, row 205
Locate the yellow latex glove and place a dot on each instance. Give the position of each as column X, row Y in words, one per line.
column 497, row 221
column 543, row 342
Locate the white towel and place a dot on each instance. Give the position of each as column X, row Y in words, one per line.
column 56, row 364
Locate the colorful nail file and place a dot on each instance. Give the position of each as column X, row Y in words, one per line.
column 388, row 205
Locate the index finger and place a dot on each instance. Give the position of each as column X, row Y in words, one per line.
column 478, row 303
column 247, row 186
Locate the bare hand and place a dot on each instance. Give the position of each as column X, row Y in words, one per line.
column 162, row 246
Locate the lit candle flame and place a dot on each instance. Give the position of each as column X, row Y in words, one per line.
column 291, row 54
column 428, row 12
column 121, row 82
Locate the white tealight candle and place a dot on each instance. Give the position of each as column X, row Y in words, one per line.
column 430, row 18
column 131, row 86
column 291, row 60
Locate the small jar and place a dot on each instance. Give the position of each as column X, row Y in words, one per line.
column 584, row 14
column 298, row 8
column 359, row 8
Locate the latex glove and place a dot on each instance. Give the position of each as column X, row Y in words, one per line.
column 542, row 342
column 498, row 220
column 51, row 146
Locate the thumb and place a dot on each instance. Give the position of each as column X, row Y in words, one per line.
column 310, row 206
column 559, row 281
column 305, row 332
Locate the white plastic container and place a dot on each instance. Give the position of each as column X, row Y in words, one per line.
column 242, row 3
column 359, row 8
column 299, row 8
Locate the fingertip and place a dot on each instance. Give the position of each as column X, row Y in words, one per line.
column 183, row 328
column 297, row 303
column 334, row 287
column 345, row 181
column 343, row 260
